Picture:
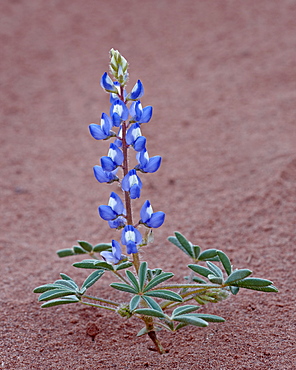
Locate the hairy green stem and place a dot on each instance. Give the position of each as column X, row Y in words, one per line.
column 98, row 306
column 152, row 334
column 101, row 300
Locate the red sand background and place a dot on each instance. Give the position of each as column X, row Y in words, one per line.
column 221, row 76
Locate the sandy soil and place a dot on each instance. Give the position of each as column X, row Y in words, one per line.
column 221, row 76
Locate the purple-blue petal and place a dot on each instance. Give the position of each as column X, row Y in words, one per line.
column 140, row 143
column 107, row 84
column 118, row 207
column 135, row 191
column 137, row 91
column 96, row 132
column 146, row 114
column 107, row 213
column 153, row 164
column 156, row 220
column 131, row 248
column 145, row 216
column 116, row 250
column 107, row 164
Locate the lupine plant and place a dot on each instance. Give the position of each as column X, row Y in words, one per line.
column 150, row 298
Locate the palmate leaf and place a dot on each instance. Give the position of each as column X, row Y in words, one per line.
column 165, row 294
column 92, row 278
column 158, row 279
column 57, row 302
column 79, row 250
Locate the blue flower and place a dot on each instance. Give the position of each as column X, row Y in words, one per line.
column 137, row 91
column 114, row 208
column 103, row 176
column 131, row 237
column 118, row 223
column 132, row 183
column 104, row 131
column 147, row 164
column 115, row 256
column 107, row 84
column 134, row 137
column 150, row 219
column 139, row 114
column 113, row 160
column 119, row 112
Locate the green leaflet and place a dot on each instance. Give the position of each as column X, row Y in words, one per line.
column 55, row 293
column 165, row 294
column 225, row 262
column 57, row 302
column 92, row 278
column 200, row 270
column 133, row 280
column 152, row 303
column 134, row 302
column 65, row 252
column 215, row 269
column 184, row 309
column 142, row 274
column 150, row 312
column 85, row 245
column 208, row 253
column 124, row 287
column 102, row 247
column 123, row 265
column 158, row 279
column 191, row 319
column 237, row 275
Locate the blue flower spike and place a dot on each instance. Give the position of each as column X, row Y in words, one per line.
column 132, row 183
column 107, row 84
column 146, row 164
column 114, row 208
column 134, row 137
column 119, row 112
column 104, row 176
column 113, row 160
column 115, row 256
column 149, row 218
column 103, row 131
column 131, row 237
column 137, row 91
